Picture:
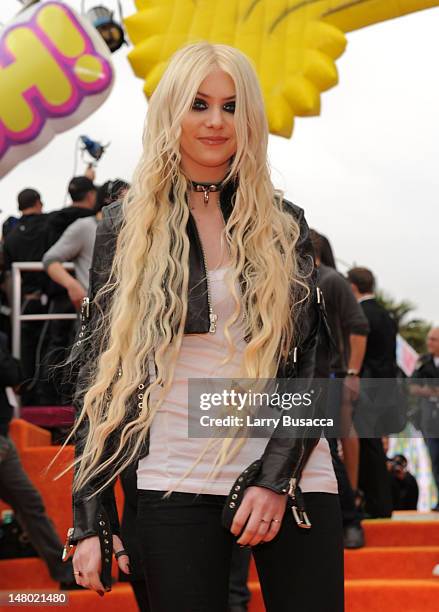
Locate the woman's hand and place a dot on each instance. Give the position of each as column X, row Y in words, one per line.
column 87, row 561
column 261, row 511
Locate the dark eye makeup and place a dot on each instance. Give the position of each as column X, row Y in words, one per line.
column 200, row 105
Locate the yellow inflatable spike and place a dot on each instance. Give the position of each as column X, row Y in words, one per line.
column 144, row 24
column 302, row 95
column 320, row 69
column 280, row 115
column 355, row 14
column 325, row 37
column 153, row 78
column 293, row 43
column 145, row 56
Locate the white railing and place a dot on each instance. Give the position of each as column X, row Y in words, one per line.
column 17, row 317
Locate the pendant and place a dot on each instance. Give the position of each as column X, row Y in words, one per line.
column 206, row 188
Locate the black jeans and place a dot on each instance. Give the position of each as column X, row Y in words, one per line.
column 186, row 554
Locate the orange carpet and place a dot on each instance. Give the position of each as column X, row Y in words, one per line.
column 391, row 574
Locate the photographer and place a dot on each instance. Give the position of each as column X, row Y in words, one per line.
column 25, row 242
column 405, row 491
column 426, row 387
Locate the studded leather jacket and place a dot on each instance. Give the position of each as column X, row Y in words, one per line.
column 284, row 458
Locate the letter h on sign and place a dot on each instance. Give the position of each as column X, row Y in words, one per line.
column 48, row 64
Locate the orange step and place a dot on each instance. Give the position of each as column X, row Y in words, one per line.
column 377, row 596
column 361, row 595
column 30, row 573
column 25, row 434
column 387, row 563
column 392, row 595
column 398, row 562
column 56, row 494
column 392, row 532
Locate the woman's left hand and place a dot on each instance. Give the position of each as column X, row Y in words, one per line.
column 261, row 511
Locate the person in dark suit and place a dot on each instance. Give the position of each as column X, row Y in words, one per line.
column 426, row 388
column 379, row 362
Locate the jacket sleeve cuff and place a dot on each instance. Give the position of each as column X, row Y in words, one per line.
column 84, row 518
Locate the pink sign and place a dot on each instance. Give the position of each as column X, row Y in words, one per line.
column 55, row 70
column 406, row 356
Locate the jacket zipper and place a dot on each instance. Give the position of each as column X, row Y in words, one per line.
column 297, row 508
column 212, row 316
column 85, row 308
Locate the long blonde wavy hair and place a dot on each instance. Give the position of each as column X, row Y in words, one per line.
column 147, row 291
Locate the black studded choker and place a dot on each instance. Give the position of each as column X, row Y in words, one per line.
column 207, row 188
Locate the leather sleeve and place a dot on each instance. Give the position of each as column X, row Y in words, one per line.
column 85, row 351
column 284, row 455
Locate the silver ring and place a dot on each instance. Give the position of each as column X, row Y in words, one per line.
column 275, row 520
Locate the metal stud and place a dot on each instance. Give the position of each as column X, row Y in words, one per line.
column 140, row 396
column 237, row 488
column 105, row 532
column 240, row 479
column 232, row 505
column 141, row 386
column 140, row 404
column 234, row 496
column 106, row 541
column 101, row 523
column 107, row 552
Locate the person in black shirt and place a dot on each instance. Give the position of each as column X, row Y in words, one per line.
column 379, row 362
column 343, row 361
column 83, row 194
column 426, row 388
column 27, row 242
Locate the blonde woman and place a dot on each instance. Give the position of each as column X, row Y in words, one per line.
column 203, row 271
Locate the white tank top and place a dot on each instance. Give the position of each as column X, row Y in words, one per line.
column 172, row 453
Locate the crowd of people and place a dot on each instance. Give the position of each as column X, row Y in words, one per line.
column 356, row 342
column 370, row 483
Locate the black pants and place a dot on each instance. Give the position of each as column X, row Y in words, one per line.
column 186, row 555
column 374, row 478
column 31, row 351
column 56, row 388
column 350, row 514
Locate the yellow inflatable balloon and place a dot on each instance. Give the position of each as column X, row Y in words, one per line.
column 293, row 43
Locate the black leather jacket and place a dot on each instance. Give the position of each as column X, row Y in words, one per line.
column 283, row 458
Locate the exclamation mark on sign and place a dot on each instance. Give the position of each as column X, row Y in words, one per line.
column 59, row 28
